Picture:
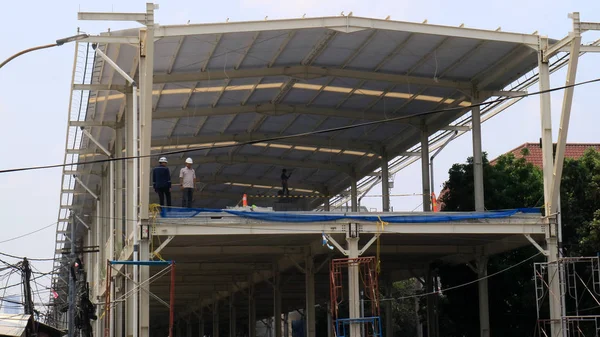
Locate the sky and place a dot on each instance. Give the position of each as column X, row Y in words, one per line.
column 34, row 89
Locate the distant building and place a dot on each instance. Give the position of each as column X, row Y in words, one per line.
column 534, row 150
column 11, row 305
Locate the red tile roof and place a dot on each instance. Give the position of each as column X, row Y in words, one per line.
column 572, row 150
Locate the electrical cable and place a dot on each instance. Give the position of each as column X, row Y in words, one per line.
column 466, row 283
column 27, row 234
column 304, row 134
column 23, row 257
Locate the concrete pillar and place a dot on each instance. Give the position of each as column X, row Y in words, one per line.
column 215, row 320
column 251, row 310
column 477, row 157
column 309, row 313
column 482, row 286
column 276, row 301
column 387, row 307
column 353, row 285
column 232, row 319
column 425, row 169
column 353, row 194
column 385, row 181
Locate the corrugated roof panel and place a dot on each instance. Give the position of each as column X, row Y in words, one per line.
column 275, row 123
column 265, row 48
column 300, row 46
column 341, row 47
column 194, row 52
column 187, row 126
column 382, row 44
column 241, row 123
column 411, row 53
column 161, row 128
column 230, row 50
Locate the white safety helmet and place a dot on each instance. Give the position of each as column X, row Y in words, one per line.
column 189, row 161
column 163, row 160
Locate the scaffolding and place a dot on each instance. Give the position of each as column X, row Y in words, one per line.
column 370, row 326
column 579, row 280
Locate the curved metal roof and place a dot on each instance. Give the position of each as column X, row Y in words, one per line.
column 234, row 82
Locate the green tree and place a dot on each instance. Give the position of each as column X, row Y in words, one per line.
column 512, row 183
column 509, row 183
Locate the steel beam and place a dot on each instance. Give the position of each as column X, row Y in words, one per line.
column 564, row 124
column 347, row 24
column 477, row 158
column 232, row 225
column 313, row 141
column 268, row 109
column 265, row 160
column 308, row 72
column 100, row 87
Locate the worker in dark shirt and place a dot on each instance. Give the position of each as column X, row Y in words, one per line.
column 161, row 181
column 284, row 182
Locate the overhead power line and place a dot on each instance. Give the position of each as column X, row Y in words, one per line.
column 304, row 134
column 27, row 234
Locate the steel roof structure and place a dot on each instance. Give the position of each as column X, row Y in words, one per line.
column 227, row 83
column 342, row 101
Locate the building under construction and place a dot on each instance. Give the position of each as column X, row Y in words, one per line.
column 345, row 102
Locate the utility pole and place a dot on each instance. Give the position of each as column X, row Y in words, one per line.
column 26, row 276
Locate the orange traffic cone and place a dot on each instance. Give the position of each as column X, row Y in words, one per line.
column 245, row 200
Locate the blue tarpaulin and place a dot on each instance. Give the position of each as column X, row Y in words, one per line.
column 324, row 217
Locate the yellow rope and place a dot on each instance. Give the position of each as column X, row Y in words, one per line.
column 154, row 209
column 380, row 228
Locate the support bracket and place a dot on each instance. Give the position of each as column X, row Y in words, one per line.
column 162, row 245
column 85, row 186
column 95, row 141
column 536, row 245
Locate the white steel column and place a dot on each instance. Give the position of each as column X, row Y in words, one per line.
column 232, row 319
column 387, row 306
column 130, row 201
column 484, row 306
column 251, row 310
column 477, row 156
column 189, row 327
column 548, row 168
column 146, row 80
column 353, row 194
column 385, row 181
column 276, row 301
column 309, row 313
column 215, row 320
column 353, row 284
column 201, row 324
column 425, row 169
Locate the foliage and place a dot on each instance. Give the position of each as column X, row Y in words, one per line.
column 512, row 183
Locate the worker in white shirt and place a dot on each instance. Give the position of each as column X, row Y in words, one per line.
column 187, row 179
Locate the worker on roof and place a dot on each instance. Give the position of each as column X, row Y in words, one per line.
column 284, row 182
column 161, row 181
column 187, row 179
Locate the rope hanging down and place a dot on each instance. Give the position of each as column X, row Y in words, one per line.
column 380, row 228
